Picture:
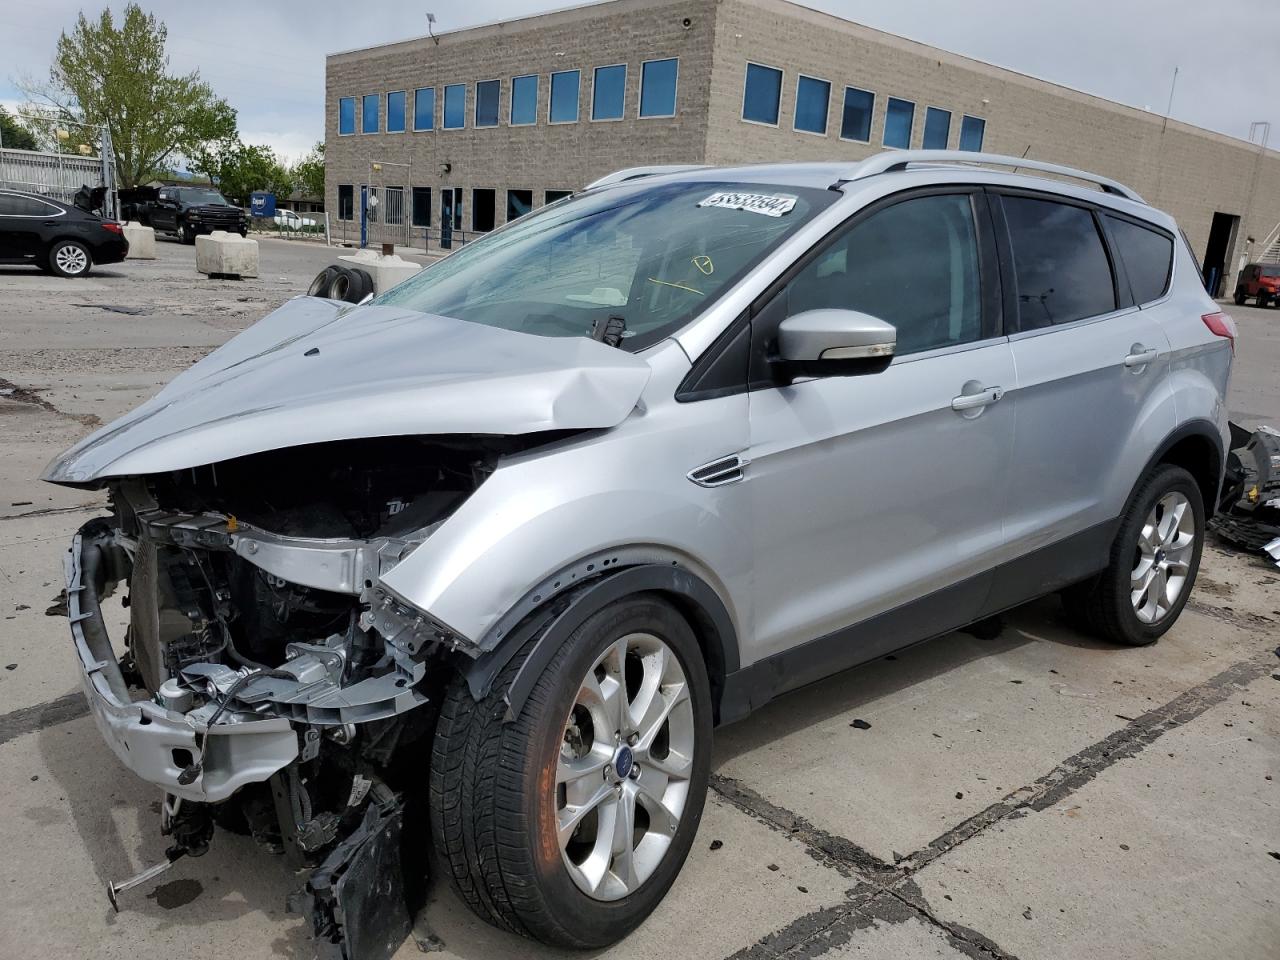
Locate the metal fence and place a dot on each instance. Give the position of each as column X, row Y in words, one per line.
column 57, row 175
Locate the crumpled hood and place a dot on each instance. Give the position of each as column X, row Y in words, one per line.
column 309, row 373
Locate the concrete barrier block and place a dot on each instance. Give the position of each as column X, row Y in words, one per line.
column 142, row 241
column 385, row 271
column 222, row 254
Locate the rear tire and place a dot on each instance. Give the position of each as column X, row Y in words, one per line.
column 70, row 258
column 523, row 811
column 1239, row 298
column 1154, row 560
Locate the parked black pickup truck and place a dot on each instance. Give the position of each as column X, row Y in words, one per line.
column 185, row 211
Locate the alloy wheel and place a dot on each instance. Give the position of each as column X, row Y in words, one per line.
column 72, row 259
column 622, row 775
column 1166, row 544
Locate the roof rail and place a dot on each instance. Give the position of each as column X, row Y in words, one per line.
column 895, row 161
column 635, row 173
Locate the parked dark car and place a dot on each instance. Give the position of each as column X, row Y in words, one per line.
column 1260, row 281
column 188, row 211
column 56, row 237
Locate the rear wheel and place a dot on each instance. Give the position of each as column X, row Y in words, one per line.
column 69, row 258
column 1154, row 560
column 570, row 823
column 1239, row 298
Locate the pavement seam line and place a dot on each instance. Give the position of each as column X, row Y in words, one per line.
column 52, row 511
column 17, row 723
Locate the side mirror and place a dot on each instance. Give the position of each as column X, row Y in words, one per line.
column 833, row 343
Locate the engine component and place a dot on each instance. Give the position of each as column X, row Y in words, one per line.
column 1249, row 514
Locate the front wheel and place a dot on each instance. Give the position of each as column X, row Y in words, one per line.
column 67, row 258
column 1154, row 560
column 570, row 823
column 1239, row 298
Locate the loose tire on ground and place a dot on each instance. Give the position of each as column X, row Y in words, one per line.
column 1109, row 605
column 350, row 284
column 70, row 258
column 320, row 285
column 498, row 788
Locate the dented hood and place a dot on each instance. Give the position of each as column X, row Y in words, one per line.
column 316, row 370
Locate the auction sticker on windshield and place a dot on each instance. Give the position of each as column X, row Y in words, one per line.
column 771, row 205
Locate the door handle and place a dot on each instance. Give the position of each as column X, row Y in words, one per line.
column 972, row 401
column 1139, row 357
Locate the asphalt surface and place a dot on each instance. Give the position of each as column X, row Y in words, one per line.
column 1032, row 795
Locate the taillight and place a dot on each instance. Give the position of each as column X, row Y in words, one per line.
column 1221, row 325
column 112, row 227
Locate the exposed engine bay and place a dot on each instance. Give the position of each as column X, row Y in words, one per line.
column 269, row 684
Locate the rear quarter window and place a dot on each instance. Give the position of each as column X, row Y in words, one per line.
column 1147, row 255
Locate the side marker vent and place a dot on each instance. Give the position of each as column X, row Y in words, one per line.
column 719, row 472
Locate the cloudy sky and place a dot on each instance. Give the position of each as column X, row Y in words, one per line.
column 267, row 56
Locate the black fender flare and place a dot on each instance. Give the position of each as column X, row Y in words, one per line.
column 1205, row 430
column 555, row 620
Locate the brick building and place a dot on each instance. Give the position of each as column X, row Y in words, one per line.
column 477, row 126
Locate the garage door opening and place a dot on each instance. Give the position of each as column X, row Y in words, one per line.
column 1222, row 239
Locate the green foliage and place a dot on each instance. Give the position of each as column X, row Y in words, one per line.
column 118, row 76
column 14, row 135
column 308, row 173
column 239, row 169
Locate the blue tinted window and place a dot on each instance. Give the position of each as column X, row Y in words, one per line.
column 608, row 89
column 762, row 93
column 564, row 96
column 524, row 100
column 455, row 106
column 898, row 118
column 395, row 112
column 487, row 95
column 855, row 122
column 971, row 131
column 424, row 108
column 937, row 128
column 812, row 99
column 347, row 115
column 369, row 114
column 658, row 88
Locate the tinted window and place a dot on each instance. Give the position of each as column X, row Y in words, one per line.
column 519, row 202
column 564, row 96
column 424, row 108
column 898, row 117
column 1147, row 257
column 524, row 101
column 972, row 130
column 937, row 128
column 658, row 88
column 607, row 89
column 422, row 206
column 482, row 209
column 812, row 97
column 914, row 265
column 487, row 95
column 855, row 123
column 395, row 112
column 15, row 206
column 762, row 93
column 369, row 114
column 346, row 201
column 1059, row 263
column 455, row 106
column 347, row 115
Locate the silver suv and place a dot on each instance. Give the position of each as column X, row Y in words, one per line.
column 497, row 550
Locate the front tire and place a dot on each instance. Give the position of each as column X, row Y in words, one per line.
column 69, row 258
column 570, row 823
column 1239, row 298
column 1154, row 561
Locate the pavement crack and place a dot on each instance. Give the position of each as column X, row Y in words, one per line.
column 13, row 392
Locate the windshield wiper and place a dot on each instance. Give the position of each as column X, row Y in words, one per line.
column 609, row 331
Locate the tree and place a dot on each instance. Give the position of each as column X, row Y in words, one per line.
column 308, row 173
column 15, row 136
column 118, row 77
column 239, row 170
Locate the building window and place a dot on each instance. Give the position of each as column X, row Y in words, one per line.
column 422, row 206
column 455, row 106
column 369, row 122
column 524, row 101
column 658, row 80
column 424, row 108
column 971, row 132
column 483, row 202
column 813, row 97
column 395, row 112
column 551, row 196
column 346, row 116
column 898, row 119
column 519, row 202
column 608, row 90
column 937, row 128
column 564, row 96
column 488, row 92
column 761, row 94
column 855, row 122
column 346, row 200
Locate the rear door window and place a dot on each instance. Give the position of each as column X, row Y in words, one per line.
column 1060, row 264
column 1147, row 256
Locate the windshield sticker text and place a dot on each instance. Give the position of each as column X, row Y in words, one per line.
column 769, row 205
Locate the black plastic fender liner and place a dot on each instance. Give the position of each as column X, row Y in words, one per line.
column 1205, row 430
column 561, row 615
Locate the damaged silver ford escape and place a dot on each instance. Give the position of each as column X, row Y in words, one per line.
column 493, row 553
